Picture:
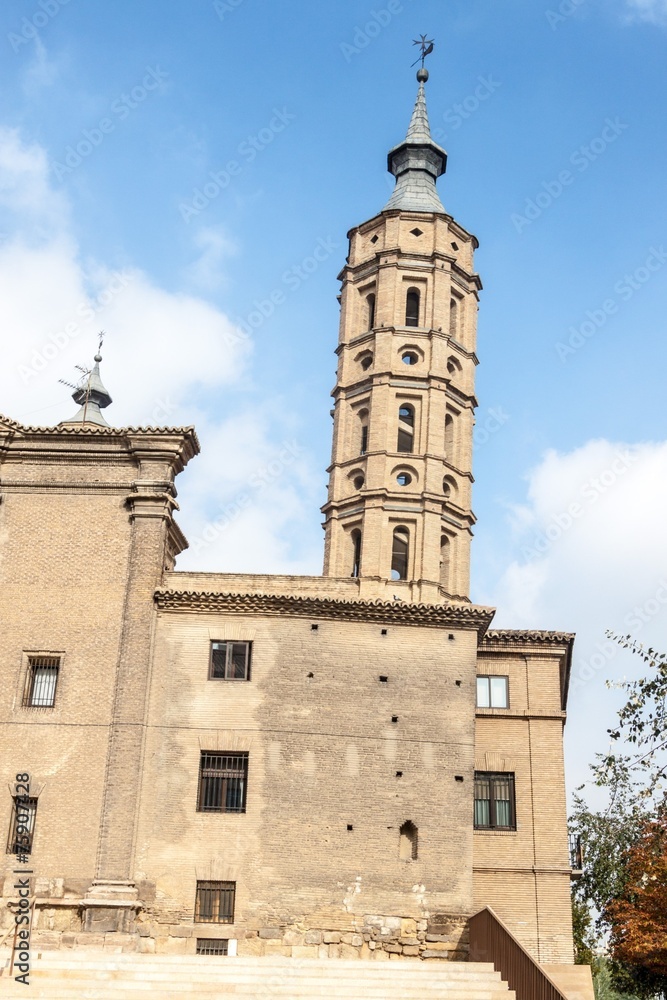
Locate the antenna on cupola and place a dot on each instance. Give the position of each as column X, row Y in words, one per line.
column 89, row 393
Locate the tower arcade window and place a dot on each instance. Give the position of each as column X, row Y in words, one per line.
column 399, row 554
column 412, row 307
column 355, row 537
column 406, row 429
column 223, row 781
column 214, row 902
column 445, row 561
column 230, row 661
column 449, row 437
column 370, row 304
column 495, row 807
column 363, row 420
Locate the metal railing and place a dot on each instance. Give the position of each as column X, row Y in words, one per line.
column 491, row 941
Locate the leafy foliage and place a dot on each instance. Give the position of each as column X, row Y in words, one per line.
column 620, row 902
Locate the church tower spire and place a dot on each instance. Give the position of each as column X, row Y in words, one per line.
column 417, row 162
column 398, row 514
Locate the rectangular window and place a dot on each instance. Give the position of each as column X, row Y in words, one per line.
column 22, row 826
column 494, row 801
column 212, row 946
column 41, row 681
column 230, row 661
column 223, row 779
column 215, row 902
column 493, row 692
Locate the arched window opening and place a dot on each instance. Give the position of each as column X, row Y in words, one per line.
column 407, row 843
column 449, row 437
column 356, row 552
column 445, row 561
column 448, row 487
column 399, row 554
column 412, row 307
column 406, row 429
column 370, row 302
column 453, row 317
column 363, row 419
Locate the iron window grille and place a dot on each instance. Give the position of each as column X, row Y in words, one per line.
column 223, row 780
column 495, row 806
column 214, row 903
column 230, row 661
column 41, row 681
column 493, row 692
column 212, row 946
column 22, row 825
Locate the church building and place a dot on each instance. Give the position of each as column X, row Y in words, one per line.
column 351, row 765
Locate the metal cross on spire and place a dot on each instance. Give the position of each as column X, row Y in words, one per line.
column 426, row 48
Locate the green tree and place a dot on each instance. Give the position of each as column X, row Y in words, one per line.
column 611, row 900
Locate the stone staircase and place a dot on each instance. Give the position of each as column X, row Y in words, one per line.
column 98, row 975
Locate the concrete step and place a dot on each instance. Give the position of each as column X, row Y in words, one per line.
column 60, row 975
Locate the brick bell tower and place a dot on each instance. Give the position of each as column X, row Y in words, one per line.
column 398, row 514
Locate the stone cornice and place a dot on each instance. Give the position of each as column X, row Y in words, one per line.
column 387, row 612
column 173, row 445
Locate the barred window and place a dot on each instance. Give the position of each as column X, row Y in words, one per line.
column 223, row 779
column 22, row 825
column 494, row 801
column 214, row 903
column 493, row 692
column 230, row 661
column 41, row 681
column 212, row 946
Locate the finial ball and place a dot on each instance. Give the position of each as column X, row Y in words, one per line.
column 98, row 358
column 422, row 75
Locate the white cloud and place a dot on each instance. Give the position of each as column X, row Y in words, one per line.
column 591, row 555
column 168, row 356
column 653, row 11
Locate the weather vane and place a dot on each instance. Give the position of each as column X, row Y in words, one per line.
column 426, row 47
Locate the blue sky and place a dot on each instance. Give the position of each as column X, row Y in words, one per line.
column 114, row 117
